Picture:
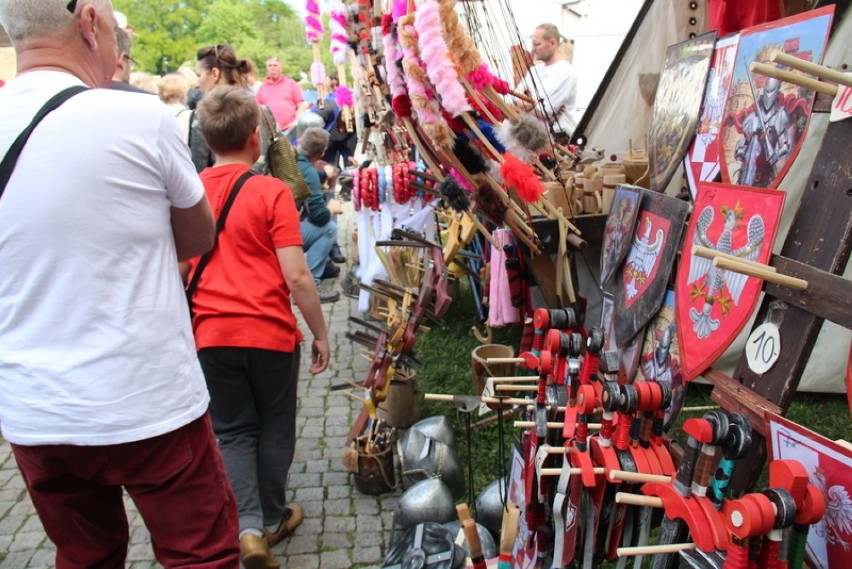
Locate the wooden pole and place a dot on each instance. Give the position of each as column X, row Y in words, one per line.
column 794, row 78
column 653, row 549
column 761, row 273
column 708, row 253
column 820, row 71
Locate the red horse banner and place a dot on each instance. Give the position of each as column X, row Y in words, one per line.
column 713, row 304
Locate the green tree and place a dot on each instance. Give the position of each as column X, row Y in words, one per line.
column 169, row 32
column 163, row 34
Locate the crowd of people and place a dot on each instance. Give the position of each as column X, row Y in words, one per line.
column 146, row 345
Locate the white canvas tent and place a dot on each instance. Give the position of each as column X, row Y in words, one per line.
column 619, row 113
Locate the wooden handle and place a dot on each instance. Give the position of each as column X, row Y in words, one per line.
column 513, row 387
column 574, row 471
column 517, row 378
column 509, row 528
column 820, row 71
column 472, row 537
column 463, row 512
column 653, row 549
column 638, row 500
column 761, row 273
column 552, row 425
column 639, row 477
column 505, row 360
column 794, row 78
column 708, row 253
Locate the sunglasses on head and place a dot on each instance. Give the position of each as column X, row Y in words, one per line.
column 215, row 51
column 72, row 6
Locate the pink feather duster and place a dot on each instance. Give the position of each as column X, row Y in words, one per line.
column 435, row 54
column 337, row 28
column 313, row 25
column 392, row 73
column 343, row 96
column 433, row 123
column 522, row 177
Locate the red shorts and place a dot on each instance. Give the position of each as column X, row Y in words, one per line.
column 176, row 480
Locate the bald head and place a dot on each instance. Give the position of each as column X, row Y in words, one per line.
column 77, row 37
column 545, row 43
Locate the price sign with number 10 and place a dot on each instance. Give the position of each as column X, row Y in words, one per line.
column 763, row 348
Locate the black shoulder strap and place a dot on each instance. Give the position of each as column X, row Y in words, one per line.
column 7, row 166
column 220, row 225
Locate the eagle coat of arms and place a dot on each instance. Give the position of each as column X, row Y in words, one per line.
column 713, row 304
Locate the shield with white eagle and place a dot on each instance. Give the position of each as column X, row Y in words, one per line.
column 641, row 283
column 713, row 303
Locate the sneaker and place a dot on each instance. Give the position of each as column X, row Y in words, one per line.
column 254, row 553
column 331, row 271
column 336, row 255
column 328, row 296
column 293, row 516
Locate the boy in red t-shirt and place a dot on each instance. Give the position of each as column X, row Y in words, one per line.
column 246, row 334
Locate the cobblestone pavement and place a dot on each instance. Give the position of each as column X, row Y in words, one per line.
column 342, row 528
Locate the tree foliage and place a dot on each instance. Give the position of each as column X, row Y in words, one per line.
column 168, row 33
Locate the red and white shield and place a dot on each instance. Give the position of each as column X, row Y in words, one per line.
column 644, row 257
column 713, row 304
column 702, row 158
column 641, row 283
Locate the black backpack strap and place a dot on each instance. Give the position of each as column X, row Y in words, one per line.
column 7, row 166
column 220, row 225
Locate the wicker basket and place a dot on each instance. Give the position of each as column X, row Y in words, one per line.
column 282, row 165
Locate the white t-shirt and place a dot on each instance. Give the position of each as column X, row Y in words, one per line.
column 95, row 339
column 556, row 84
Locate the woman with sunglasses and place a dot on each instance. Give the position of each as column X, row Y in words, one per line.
column 215, row 66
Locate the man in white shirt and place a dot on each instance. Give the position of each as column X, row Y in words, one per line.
column 100, row 387
column 553, row 82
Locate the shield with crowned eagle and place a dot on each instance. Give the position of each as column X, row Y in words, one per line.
column 713, row 304
column 641, row 281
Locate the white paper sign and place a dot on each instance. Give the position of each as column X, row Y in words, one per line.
column 763, row 348
column 841, row 108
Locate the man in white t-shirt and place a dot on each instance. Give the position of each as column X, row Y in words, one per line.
column 100, row 387
column 553, row 81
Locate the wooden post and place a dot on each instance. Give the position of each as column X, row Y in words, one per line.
column 821, row 237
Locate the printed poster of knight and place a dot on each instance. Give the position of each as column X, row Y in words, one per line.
column 766, row 119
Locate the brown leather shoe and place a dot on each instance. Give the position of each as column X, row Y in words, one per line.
column 254, row 553
column 295, row 515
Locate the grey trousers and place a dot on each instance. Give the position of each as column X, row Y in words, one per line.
column 253, row 408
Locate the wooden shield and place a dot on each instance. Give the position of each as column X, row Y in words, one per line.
column 642, row 280
column 619, row 228
column 702, row 163
column 765, row 120
column 660, row 359
column 676, row 106
column 713, row 304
